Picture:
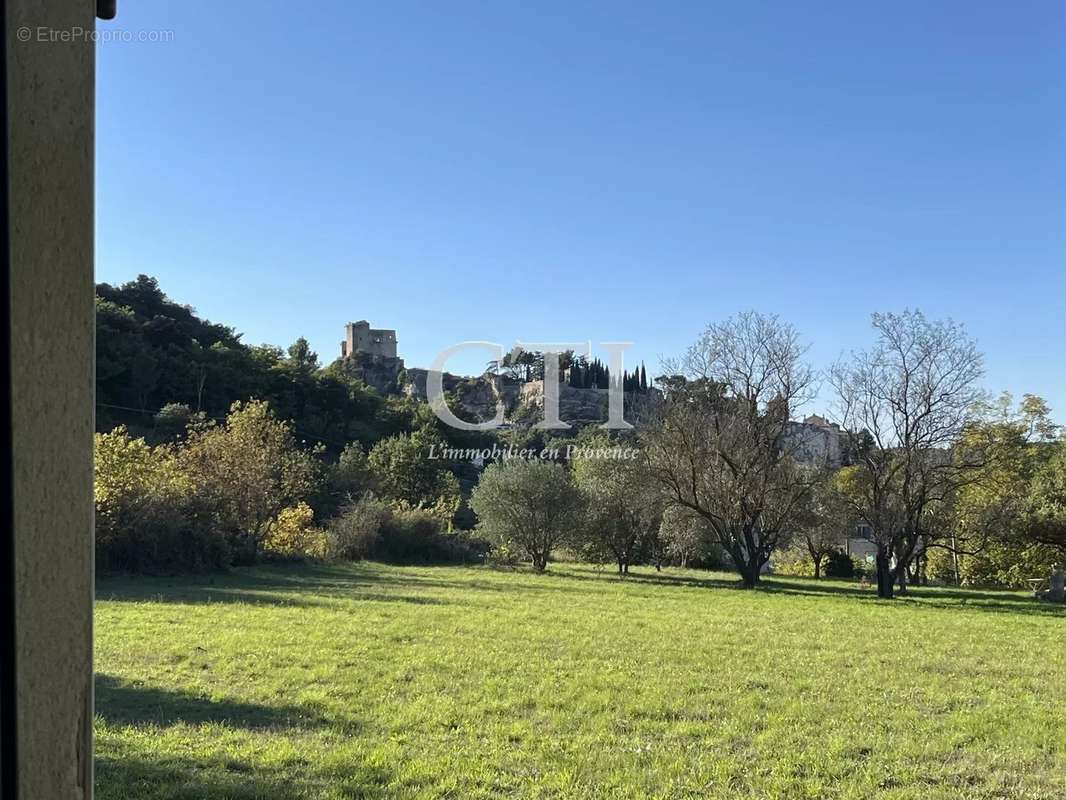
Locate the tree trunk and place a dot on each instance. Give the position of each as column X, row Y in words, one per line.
column 901, row 578
column 921, row 578
column 749, row 573
column 817, row 568
column 540, row 563
column 884, row 575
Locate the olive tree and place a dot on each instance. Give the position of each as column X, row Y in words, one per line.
column 529, row 505
column 624, row 506
column 718, row 443
column 683, row 535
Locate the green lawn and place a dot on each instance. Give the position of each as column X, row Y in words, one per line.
column 379, row 681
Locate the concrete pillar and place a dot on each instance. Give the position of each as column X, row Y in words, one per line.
column 49, row 110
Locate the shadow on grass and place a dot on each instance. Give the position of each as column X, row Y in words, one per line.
column 929, row 597
column 120, row 703
column 650, row 579
column 327, row 586
column 925, row 597
column 305, row 586
column 158, row 777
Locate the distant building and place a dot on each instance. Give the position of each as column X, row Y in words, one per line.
column 817, row 441
column 859, row 546
column 359, row 337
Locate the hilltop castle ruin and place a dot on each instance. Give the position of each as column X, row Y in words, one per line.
column 369, row 354
column 359, row 337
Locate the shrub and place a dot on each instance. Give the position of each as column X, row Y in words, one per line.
column 346, row 480
column 794, row 562
column 400, row 532
column 797, row 562
column 839, row 564
column 416, row 534
column 173, row 419
column 409, row 533
column 402, row 469
column 353, row 534
column 250, row 469
column 149, row 518
column 293, row 534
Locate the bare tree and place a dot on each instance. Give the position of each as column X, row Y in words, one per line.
column 719, row 443
column 911, row 397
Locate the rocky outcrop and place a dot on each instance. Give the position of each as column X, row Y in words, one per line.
column 475, row 399
column 471, row 399
column 577, row 407
column 414, row 382
column 377, row 371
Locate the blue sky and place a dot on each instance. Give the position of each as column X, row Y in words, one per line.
column 618, row 171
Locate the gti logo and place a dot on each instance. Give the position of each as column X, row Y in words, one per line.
column 551, row 351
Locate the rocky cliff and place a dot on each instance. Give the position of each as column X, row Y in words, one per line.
column 475, row 399
column 377, row 371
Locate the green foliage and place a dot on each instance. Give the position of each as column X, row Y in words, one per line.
column 404, row 468
column 149, row 516
column 347, row 479
column 210, row 500
column 251, row 467
column 1009, row 524
column 529, row 506
column 399, row 532
column 151, row 352
column 686, row 539
column 353, row 533
column 1045, row 521
column 415, row 535
column 301, row 357
column 173, row 420
column 793, row 561
column 1004, row 561
column 624, row 506
column 169, row 377
column 829, row 520
column 839, row 565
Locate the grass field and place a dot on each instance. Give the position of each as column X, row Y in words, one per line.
column 379, row 681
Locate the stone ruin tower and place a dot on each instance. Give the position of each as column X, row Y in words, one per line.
column 369, row 354
column 359, row 337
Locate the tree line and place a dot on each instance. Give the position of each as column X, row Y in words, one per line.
column 575, row 369
column 942, row 481
column 212, row 452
